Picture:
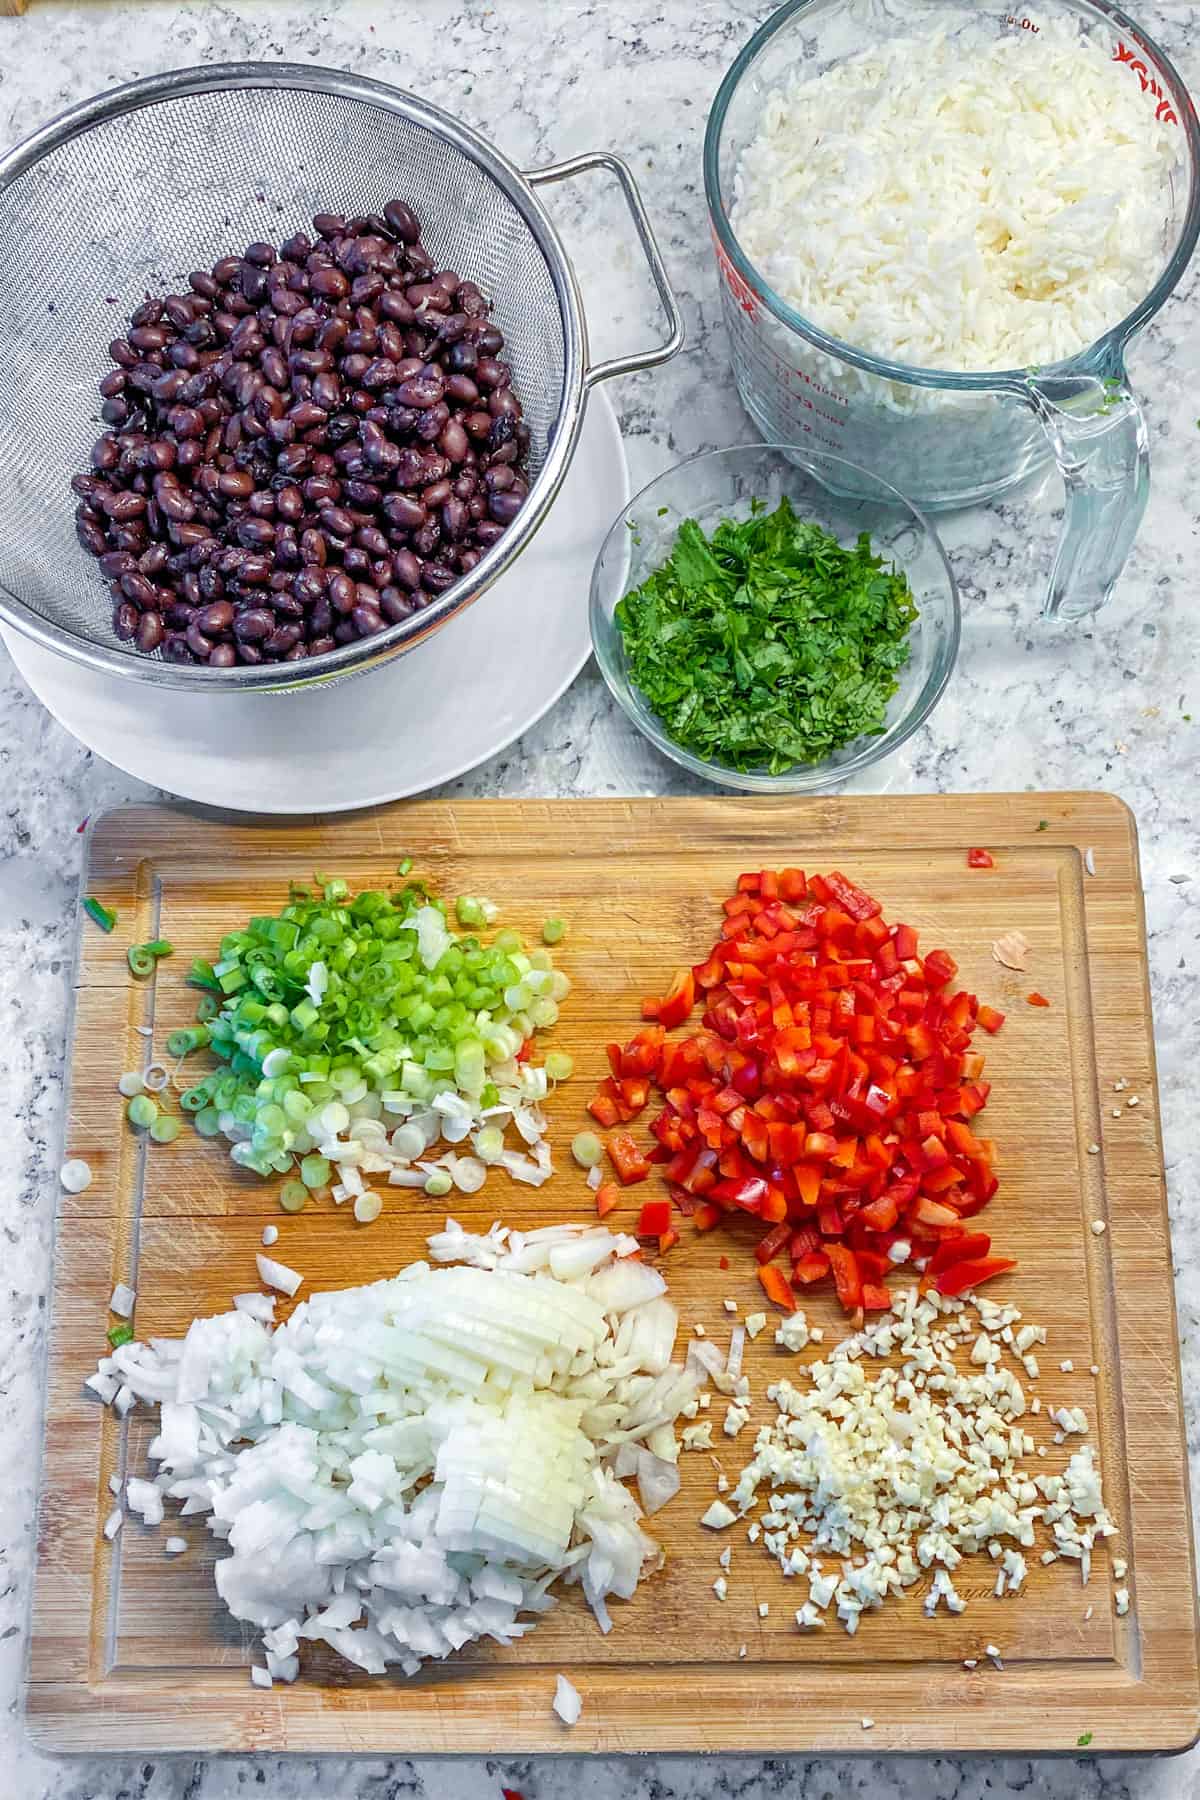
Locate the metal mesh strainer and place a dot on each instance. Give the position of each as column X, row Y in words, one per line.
column 130, row 191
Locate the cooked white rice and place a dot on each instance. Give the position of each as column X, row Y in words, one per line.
column 943, row 208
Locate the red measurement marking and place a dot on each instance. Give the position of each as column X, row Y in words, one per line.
column 1163, row 111
column 1022, row 24
column 740, row 288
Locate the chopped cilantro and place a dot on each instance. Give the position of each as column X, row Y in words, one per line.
column 769, row 644
column 1084, row 1739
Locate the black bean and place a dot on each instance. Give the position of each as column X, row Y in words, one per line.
column 403, row 221
column 342, row 379
column 341, row 592
column 252, row 624
column 404, row 512
column 437, row 577
column 126, row 619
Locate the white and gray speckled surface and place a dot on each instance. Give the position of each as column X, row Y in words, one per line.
column 1101, row 707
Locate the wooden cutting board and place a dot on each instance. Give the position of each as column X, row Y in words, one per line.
column 131, row 1651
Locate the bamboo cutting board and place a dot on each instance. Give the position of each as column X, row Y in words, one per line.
column 131, row 1651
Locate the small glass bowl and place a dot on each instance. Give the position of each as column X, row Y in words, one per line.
column 720, row 484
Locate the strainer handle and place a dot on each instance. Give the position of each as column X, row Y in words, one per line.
column 659, row 353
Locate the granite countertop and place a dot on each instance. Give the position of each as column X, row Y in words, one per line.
column 1114, row 705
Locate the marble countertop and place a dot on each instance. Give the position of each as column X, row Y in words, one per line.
column 1114, row 705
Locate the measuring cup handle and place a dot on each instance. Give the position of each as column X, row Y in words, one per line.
column 1101, row 444
column 659, row 353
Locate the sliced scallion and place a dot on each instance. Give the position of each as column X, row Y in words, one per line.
column 141, row 960
column 99, row 913
column 587, row 1149
column 293, row 1196
column 120, row 1334
column 559, row 1066
column 553, row 931
column 141, row 1112
column 165, row 1129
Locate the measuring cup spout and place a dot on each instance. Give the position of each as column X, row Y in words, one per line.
column 1101, row 445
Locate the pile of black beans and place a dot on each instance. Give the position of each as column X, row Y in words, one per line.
column 306, row 448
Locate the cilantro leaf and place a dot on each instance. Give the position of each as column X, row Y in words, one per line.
column 769, row 643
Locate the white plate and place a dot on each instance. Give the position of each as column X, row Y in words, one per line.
column 484, row 678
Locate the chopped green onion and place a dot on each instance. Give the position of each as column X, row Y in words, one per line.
column 141, row 960
column 368, row 1206
column 344, row 1006
column 165, row 1129
column 99, row 913
column 141, row 1112
column 553, row 931
column 489, row 1143
column 559, row 1066
column 131, row 1083
column 120, row 1334
column 402, row 868
column 437, row 1184
column 293, row 1196
column 587, row 1149
column 161, row 947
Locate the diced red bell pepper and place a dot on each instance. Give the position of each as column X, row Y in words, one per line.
column 749, row 1193
column 603, row 1104
column 905, row 940
column 847, row 1279
column 966, row 1275
column 968, row 1248
column 607, row 1195
column 777, row 1287
column 1036, row 999
column 939, row 968
column 880, row 1214
column 934, row 1213
column 811, row 1268
column 980, row 859
column 674, row 1008
column 830, row 1090
column 655, row 1218
column 768, row 1247
column 667, row 1240
column 627, row 1159
column 642, row 1055
column 850, row 898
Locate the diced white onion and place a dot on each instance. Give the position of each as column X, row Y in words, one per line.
column 567, row 1702
column 277, row 1275
column 123, row 1301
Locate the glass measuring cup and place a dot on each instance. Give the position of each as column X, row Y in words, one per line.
column 948, row 438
